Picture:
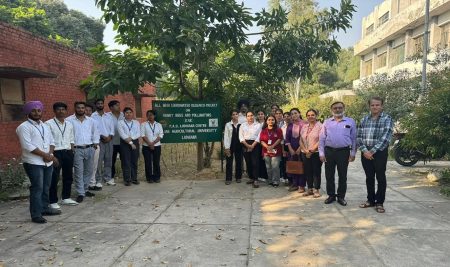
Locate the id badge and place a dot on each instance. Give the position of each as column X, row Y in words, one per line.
column 45, row 146
column 270, row 142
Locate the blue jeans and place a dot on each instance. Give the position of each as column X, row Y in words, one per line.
column 273, row 169
column 40, row 178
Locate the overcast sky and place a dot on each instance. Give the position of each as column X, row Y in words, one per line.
column 348, row 39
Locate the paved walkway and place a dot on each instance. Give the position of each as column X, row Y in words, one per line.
column 205, row 223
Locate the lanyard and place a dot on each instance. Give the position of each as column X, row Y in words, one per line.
column 63, row 131
column 152, row 128
column 42, row 134
column 129, row 127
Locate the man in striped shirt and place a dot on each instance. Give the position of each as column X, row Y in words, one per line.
column 374, row 136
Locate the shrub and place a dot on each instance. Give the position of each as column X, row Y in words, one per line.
column 12, row 177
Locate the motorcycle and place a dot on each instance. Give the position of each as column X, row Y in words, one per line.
column 406, row 156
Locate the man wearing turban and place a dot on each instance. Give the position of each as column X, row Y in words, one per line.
column 37, row 145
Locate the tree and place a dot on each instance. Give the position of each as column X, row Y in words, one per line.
column 25, row 14
column 190, row 36
column 52, row 19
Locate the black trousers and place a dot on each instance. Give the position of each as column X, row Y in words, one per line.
column 336, row 157
column 376, row 168
column 152, row 162
column 116, row 150
column 129, row 158
column 313, row 170
column 65, row 158
column 252, row 160
column 236, row 154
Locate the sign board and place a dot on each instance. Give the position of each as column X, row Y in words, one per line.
column 186, row 122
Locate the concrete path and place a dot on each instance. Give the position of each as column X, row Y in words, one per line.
column 205, row 223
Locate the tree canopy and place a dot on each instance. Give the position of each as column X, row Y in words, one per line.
column 52, row 19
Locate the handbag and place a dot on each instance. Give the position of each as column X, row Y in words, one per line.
column 294, row 167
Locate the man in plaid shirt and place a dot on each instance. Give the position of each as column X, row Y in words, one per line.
column 374, row 136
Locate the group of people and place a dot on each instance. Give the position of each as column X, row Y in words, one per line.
column 269, row 143
column 84, row 148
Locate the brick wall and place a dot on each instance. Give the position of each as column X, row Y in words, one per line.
column 19, row 48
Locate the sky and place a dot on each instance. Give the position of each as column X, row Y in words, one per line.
column 345, row 39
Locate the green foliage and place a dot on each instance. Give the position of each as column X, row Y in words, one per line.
column 429, row 128
column 399, row 90
column 59, row 39
column 126, row 71
column 52, row 18
column 26, row 14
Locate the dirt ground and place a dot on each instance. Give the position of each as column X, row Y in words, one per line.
column 179, row 162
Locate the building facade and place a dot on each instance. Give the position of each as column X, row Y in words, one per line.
column 35, row 68
column 392, row 36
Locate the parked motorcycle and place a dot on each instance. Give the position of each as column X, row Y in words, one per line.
column 406, row 156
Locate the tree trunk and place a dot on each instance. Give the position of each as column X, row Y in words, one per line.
column 208, row 153
column 199, row 156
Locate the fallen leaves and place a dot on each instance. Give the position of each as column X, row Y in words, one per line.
column 262, row 241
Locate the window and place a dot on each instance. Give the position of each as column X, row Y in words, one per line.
column 417, row 46
column 369, row 29
column 397, row 55
column 381, row 60
column 367, row 68
column 12, row 98
column 383, row 19
column 445, row 40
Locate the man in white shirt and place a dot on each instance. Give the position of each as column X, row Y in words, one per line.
column 233, row 148
column 37, row 145
column 106, row 128
column 115, row 116
column 62, row 132
column 85, row 142
column 152, row 132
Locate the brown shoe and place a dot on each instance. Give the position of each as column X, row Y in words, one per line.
column 316, row 193
column 301, row 190
column 308, row 193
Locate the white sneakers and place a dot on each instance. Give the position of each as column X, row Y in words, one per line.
column 99, row 185
column 55, row 206
column 67, row 201
column 110, row 182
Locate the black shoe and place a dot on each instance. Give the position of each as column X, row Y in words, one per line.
column 136, row 182
column 342, row 201
column 80, row 199
column 227, row 182
column 249, row 182
column 275, row 185
column 157, row 181
column 39, row 220
column 92, row 188
column 330, row 200
column 270, row 184
column 127, row 183
column 150, row 181
column 89, row 194
column 238, row 181
column 51, row 212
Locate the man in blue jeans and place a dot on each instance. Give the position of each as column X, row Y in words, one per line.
column 37, row 145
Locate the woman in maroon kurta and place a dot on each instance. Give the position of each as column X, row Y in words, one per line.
column 270, row 139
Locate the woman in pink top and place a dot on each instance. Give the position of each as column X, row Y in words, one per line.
column 309, row 144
